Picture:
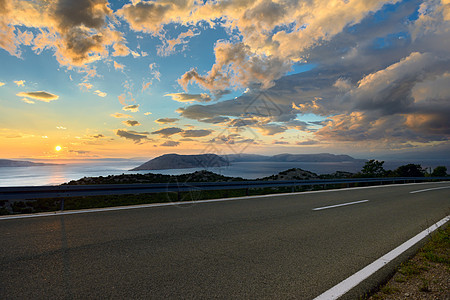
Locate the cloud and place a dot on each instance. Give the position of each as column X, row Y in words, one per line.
column 61, row 127
column 2, row 83
column 39, row 95
column 215, row 120
column 79, row 151
column 131, row 123
column 146, row 85
column 85, row 85
column 166, row 120
column 26, row 100
column 79, row 32
column 196, row 133
column 237, row 66
column 151, row 16
column 132, row 108
column 147, row 113
column 275, row 142
column 182, row 97
column 272, row 129
column 100, row 93
column 120, row 115
column 98, row 136
column 168, row 46
column 118, row 66
column 170, row 144
column 168, row 131
column 20, row 82
column 135, row 136
column 307, row 143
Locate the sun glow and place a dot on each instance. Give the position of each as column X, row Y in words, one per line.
column 58, row 148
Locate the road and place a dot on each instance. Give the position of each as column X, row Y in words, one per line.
column 287, row 246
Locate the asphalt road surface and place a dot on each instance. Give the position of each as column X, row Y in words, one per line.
column 275, row 247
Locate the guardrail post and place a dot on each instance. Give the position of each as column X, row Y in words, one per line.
column 62, row 203
column 247, row 192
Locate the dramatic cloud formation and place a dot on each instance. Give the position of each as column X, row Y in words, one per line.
column 40, row 96
column 135, row 136
column 300, row 73
column 131, row 123
column 181, row 97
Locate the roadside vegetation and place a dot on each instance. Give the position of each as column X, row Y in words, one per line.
column 372, row 169
column 424, row 276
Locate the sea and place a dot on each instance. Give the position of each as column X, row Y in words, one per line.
column 62, row 173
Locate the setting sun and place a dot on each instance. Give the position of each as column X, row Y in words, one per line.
column 58, row 148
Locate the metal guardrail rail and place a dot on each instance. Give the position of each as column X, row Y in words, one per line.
column 62, row 191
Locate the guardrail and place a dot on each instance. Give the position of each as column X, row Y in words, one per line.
column 62, row 191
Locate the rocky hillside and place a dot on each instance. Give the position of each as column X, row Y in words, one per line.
column 293, row 174
column 199, row 176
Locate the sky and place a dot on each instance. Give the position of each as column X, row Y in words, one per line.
column 102, row 79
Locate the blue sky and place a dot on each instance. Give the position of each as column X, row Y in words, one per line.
column 142, row 78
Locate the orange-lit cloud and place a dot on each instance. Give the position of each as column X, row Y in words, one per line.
column 120, row 116
column 85, row 85
column 20, row 82
column 118, row 66
column 40, row 96
column 182, row 97
column 79, row 32
column 146, row 85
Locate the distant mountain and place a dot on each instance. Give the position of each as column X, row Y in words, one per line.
column 286, row 157
column 246, row 157
column 321, row 157
column 177, row 161
column 20, row 163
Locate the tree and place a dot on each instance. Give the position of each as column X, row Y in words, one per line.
column 439, row 171
column 373, row 168
column 410, row 170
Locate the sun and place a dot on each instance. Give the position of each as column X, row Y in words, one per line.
column 58, row 148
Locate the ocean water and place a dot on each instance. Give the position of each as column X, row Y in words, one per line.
column 58, row 174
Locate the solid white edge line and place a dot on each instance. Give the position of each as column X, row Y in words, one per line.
column 352, row 281
column 432, row 189
column 73, row 212
column 339, row 205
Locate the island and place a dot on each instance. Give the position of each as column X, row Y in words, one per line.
column 8, row 163
column 177, row 161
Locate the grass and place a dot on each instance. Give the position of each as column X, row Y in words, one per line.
column 415, row 273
